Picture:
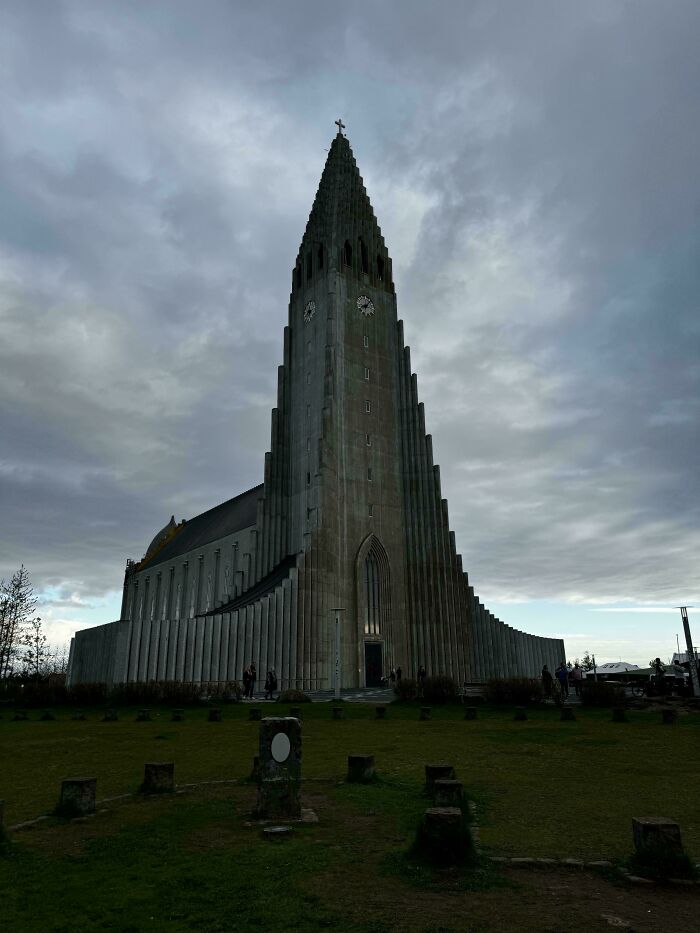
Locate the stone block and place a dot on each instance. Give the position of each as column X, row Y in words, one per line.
column 280, row 768
column 380, row 712
column 110, row 716
column 657, row 833
column 448, row 793
column 338, row 712
column 158, row 778
column 424, row 713
column 178, row 715
column 361, row 769
column 470, row 712
column 669, row 717
column 295, row 712
column 443, row 837
column 214, row 715
column 77, row 797
column 520, row 714
column 143, row 715
column 47, row 716
column 567, row 714
column 254, row 715
column 437, row 772
column 619, row 714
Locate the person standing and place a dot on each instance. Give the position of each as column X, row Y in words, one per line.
column 563, row 678
column 547, row 681
column 253, row 677
column 246, row 683
column 398, row 673
column 577, row 677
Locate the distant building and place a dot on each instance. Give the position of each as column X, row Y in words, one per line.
column 612, row 670
column 682, row 657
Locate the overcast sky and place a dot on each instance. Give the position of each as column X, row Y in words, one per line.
column 534, row 168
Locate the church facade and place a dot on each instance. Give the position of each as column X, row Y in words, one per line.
column 350, row 514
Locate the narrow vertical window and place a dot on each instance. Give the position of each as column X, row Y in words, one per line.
column 370, row 510
column 366, row 374
column 308, row 379
column 364, row 257
column 347, row 253
column 308, row 443
column 308, row 411
column 369, row 474
column 368, row 440
column 319, row 256
column 380, row 268
column 368, row 406
column 365, row 341
column 297, row 276
column 308, row 479
column 309, row 266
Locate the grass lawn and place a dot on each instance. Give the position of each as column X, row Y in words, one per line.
column 542, row 788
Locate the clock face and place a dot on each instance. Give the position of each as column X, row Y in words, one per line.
column 309, row 310
column 365, row 306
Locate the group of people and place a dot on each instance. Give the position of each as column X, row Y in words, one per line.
column 565, row 677
column 392, row 677
column 250, row 675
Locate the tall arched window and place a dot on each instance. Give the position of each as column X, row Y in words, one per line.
column 364, row 257
column 347, row 253
column 297, row 276
column 380, row 268
column 319, row 256
column 372, row 596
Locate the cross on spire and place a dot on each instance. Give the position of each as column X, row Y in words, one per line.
column 341, row 126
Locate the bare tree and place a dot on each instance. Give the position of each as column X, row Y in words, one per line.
column 17, row 605
column 37, row 656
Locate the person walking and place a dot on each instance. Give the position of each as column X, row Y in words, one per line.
column 253, row 677
column 246, row 682
column 392, row 677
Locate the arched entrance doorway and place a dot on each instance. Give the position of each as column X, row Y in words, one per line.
column 374, row 609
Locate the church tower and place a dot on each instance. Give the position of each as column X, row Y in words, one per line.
column 334, row 482
column 350, row 514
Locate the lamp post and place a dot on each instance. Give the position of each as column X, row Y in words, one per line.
column 336, row 665
column 692, row 660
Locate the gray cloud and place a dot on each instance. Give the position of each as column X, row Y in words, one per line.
column 533, row 167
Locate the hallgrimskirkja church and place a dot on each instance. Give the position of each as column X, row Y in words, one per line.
column 349, row 514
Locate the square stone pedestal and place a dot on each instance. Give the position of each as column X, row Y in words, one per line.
column 280, row 769
column 658, row 833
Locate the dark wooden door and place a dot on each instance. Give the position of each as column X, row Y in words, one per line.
column 373, row 664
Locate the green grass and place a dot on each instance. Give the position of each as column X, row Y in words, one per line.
column 542, row 788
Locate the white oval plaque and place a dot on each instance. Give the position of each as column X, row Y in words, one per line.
column 281, row 747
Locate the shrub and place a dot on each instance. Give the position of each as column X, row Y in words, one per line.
column 87, row 694
column 293, row 696
column 406, row 689
column 600, row 693
column 440, row 689
column 513, row 691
